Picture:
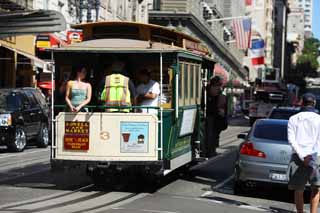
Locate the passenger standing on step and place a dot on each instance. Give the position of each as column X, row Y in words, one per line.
column 216, row 117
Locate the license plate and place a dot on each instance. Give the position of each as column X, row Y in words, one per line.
column 278, row 177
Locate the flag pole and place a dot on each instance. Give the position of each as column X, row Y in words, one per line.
column 228, row 18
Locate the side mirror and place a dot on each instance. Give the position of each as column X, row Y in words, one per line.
column 242, row 136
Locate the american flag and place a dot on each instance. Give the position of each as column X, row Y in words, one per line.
column 242, row 29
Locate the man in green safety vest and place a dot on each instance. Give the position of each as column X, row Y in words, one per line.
column 119, row 91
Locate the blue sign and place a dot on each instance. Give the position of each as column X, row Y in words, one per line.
column 134, row 137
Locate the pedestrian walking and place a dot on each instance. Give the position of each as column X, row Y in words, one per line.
column 216, row 119
column 304, row 137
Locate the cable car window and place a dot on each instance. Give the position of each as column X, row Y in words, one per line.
column 191, row 83
column 197, row 76
column 180, row 84
column 186, row 79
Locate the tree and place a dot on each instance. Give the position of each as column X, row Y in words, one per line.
column 307, row 62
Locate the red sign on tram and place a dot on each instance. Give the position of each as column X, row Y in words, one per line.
column 76, row 135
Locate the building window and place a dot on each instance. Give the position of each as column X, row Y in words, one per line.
column 60, row 6
column 109, row 5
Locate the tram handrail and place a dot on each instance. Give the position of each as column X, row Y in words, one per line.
column 111, row 107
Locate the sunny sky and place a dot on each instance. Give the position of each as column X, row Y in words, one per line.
column 315, row 22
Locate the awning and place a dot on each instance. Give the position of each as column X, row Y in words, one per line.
column 37, row 61
column 49, row 40
column 45, row 84
column 30, row 22
column 220, row 71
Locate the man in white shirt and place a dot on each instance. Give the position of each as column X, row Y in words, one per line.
column 304, row 137
column 148, row 92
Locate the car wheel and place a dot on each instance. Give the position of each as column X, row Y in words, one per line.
column 20, row 141
column 43, row 137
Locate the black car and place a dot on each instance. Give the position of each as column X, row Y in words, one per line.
column 23, row 116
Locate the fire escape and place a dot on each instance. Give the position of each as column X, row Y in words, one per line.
column 85, row 6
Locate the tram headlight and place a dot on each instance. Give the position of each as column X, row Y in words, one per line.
column 5, row 120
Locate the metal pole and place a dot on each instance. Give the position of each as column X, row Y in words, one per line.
column 161, row 109
column 53, row 144
column 177, row 93
column 283, row 41
column 205, row 83
column 228, row 18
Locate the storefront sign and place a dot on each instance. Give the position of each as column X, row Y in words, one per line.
column 196, row 47
column 46, row 41
column 74, row 36
column 76, row 135
column 43, row 41
column 134, row 137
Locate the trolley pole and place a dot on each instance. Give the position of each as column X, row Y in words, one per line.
column 161, row 108
column 53, row 145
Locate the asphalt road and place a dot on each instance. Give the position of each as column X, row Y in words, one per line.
column 28, row 185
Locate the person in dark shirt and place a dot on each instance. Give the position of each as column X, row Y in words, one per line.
column 216, row 115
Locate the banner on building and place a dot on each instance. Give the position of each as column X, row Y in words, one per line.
column 242, row 29
column 257, row 52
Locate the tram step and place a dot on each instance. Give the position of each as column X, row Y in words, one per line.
column 201, row 159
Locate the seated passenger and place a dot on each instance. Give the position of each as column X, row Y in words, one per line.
column 147, row 91
column 78, row 92
column 119, row 90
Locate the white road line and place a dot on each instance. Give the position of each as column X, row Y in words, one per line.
column 144, row 210
column 207, row 193
column 24, row 153
column 257, row 208
column 218, row 186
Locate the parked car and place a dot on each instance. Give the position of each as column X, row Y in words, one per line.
column 283, row 113
column 23, row 116
column 264, row 156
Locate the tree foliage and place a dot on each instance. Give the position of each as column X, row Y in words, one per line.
column 307, row 62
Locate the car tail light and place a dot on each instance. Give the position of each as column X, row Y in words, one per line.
column 248, row 149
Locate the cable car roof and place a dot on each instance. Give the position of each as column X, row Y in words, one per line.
column 144, row 30
column 118, row 45
column 124, row 46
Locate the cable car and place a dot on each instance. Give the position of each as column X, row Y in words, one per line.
column 105, row 142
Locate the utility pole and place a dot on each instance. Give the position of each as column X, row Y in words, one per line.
column 283, row 40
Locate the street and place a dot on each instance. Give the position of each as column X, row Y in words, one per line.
column 116, row 106
column 28, row 185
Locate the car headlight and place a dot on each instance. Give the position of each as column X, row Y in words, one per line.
column 5, row 120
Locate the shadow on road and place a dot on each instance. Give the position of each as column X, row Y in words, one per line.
column 239, row 121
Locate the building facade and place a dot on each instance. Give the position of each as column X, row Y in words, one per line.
column 307, row 6
column 198, row 18
column 19, row 61
column 280, row 17
column 261, row 13
column 16, row 68
column 295, row 30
